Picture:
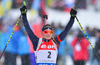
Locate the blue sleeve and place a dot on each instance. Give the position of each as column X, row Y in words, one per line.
column 30, row 33
column 63, row 34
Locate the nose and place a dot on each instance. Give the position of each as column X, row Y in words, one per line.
column 48, row 33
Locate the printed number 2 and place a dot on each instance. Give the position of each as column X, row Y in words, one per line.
column 49, row 54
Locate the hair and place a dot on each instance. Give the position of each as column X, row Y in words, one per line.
column 55, row 42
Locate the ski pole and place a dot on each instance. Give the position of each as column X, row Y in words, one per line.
column 84, row 32
column 45, row 17
column 11, row 35
column 13, row 31
column 94, row 51
column 82, row 29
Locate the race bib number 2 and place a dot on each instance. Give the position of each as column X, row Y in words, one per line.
column 47, row 56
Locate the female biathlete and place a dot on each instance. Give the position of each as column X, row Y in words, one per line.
column 46, row 47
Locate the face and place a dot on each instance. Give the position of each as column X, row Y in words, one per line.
column 47, row 34
column 98, row 34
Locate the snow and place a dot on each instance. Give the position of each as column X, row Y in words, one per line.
column 87, row 17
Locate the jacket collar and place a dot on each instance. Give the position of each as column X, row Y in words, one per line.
column 45, row 40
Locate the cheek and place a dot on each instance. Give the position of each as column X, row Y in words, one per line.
column 51, row 34
column 43, row 34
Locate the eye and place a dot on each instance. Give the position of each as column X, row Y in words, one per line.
column 51, row 32
column 46, row 32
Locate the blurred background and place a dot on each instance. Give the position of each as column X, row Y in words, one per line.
column 20, row 50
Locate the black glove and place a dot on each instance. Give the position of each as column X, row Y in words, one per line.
column 73, row 13
column 45, row 16
column 23, row 10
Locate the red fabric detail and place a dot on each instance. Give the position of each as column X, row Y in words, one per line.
column 43, row 12
column 94, row 2
column 58, row 38
column 42, row 6
column 47, row 46
column 83, row 54
column 1, row 27
column 67, row 9
column 17, row 28
column 31, row 45
column 37, row 30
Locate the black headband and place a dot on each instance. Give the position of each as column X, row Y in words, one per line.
column 47, row 26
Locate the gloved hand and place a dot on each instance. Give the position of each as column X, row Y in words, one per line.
column 73, row 13
column 23, row 10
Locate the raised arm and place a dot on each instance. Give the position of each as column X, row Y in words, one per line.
column 31, row 35
column 63, row 34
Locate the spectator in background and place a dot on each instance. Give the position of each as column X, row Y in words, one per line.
column 0, row 36
column 29, row 3
column 58, row 4
column 61, row 51
column 93, row 31
column 1, row 24
column 16, row 3
column 68, row 4
column 53, row 25
column 88, row 31
column 96, row 4
column 80, row 49
column 6, row 31
column 65, row 49
column 23, row 47
column 80, row 4
column 97, row 49
column 93, row 2
column 0, row 33
column 14, row 42
column 49, row 3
